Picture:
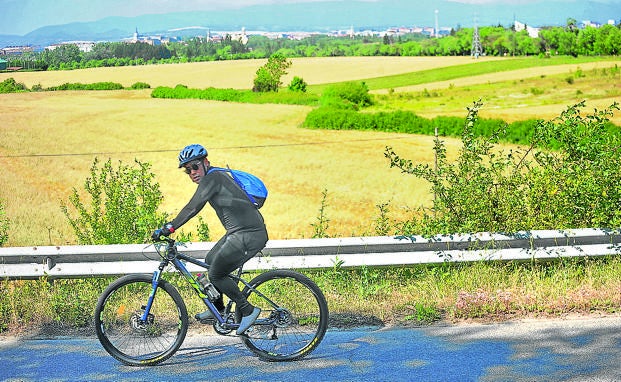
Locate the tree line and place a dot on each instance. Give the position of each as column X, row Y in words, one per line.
column 495, row 41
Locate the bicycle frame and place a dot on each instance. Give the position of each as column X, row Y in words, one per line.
column 138, row 332
column 176, row 258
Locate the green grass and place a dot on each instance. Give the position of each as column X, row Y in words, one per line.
column 417, row 295
column 476, row 291
column 536, row 91
column 466, row 70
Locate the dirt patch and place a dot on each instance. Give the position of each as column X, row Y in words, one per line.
column 338, row 321
column 352, row 320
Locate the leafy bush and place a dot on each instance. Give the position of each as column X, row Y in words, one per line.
column 298, row 85
column 233, row 95
column 4, row 225
column 93, row 86
column 122, row 208
column 347, row 95
column 339, row 118
column 11, row 86
column 488, row 190
column 140, row 85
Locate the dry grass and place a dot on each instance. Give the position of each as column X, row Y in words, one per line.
column 240, row 74
column 49, row 141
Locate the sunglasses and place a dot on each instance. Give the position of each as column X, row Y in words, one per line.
column 192, row 167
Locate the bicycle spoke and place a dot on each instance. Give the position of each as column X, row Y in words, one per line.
column 126, row 336
column 294, row 330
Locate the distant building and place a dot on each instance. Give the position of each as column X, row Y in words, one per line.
column 532, row 32
column 16, row 50
column 151, row 40
column 241, row 36
column 84, row 46
column 589, row 23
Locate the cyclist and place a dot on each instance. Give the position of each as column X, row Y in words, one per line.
column 245, row 235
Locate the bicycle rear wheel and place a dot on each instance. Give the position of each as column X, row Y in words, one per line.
column 294, row 329
column 123, row 333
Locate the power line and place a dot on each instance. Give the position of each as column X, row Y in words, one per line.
column 82, row 154
column 211, row 148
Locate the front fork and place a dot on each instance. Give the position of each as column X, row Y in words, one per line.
column 154, row 283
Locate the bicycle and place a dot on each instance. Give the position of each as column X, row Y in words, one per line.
column 141, row 319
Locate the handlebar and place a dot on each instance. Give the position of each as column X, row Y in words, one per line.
column 171, row 247
column 164, row 239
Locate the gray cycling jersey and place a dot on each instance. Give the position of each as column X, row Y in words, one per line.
column 235, row 211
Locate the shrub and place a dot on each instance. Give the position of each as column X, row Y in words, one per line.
column 335, row 119
column 297, row 85
column 233, row 95
column 93, row 86
column 536, row 91
column 11, row 86
column 122, row 208
column 140, row 85
column 347, row 95
column 487, row 190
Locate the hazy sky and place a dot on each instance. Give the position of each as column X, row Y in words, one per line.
column 22, row 16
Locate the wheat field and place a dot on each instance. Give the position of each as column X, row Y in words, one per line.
column 240, row 74
column 48, row 141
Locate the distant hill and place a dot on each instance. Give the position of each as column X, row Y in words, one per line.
column 323, row 17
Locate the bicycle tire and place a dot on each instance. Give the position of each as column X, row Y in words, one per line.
column 120, row 331
column 299, row 329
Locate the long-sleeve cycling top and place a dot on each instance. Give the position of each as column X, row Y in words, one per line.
column 235, row 211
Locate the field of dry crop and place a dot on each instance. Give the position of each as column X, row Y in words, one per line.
column 48, row 141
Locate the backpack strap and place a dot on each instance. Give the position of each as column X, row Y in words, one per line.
column 237, row 182
column 250, row 197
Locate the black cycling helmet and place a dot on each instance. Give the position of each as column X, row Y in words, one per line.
column 190, row 153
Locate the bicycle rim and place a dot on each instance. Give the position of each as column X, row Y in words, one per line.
column 125, row 336
column 298, row 328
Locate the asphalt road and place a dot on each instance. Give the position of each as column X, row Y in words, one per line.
column 575, row 349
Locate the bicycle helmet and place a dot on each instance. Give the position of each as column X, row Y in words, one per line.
column 190, row 153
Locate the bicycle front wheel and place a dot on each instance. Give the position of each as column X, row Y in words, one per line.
column 120, row 326
column 296, row 326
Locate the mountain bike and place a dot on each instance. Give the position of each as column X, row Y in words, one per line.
column 141, row 319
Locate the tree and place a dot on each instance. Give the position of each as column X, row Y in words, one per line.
column 607, row 40
column 572, row 25
column 586, row 40
column 269, row 75
column 63, row 54
column 525, row 44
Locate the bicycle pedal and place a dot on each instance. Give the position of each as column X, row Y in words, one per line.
column 204, row 319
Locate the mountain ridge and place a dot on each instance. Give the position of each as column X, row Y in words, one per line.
column 322, row 17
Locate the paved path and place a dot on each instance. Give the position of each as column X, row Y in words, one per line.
column 545, row 350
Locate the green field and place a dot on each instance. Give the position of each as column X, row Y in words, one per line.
column 50, row 139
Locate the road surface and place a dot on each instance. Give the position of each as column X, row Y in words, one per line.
column 571, row 349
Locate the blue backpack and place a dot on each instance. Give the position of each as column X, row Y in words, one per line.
column 253, row 187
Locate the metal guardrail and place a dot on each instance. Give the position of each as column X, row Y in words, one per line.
column 108, row 260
